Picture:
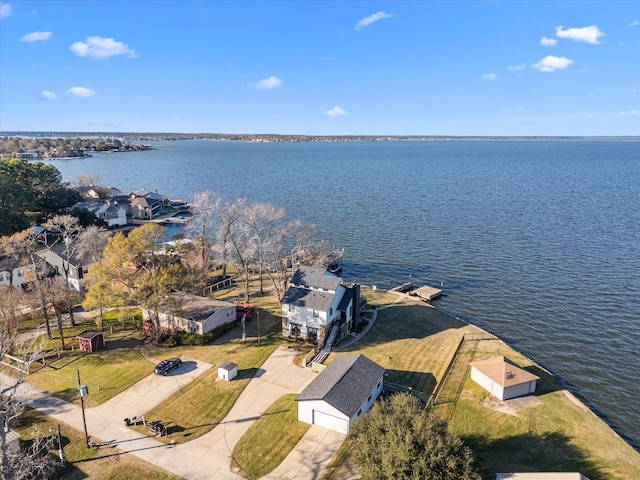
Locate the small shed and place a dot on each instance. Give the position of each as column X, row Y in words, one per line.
column 228, row 371
column 91, row 341
column 502, row 378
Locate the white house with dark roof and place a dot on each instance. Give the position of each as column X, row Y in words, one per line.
column 191, row 313
column 315, row 302
column 342, row 392
column 502, row 378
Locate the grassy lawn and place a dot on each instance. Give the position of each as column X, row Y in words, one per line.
column 198, row 407
column 556, row 435
column 106, row 372
column 415, row 343
column 410, row 339
column 105, row 463
column 269, row 440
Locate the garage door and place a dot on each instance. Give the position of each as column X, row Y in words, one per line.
column 329, row 421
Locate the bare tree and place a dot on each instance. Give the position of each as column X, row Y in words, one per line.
column 267, row 233
column 17, row 463
column 87, row 179
column 22, row 248
column 235, row 236
column 202, row 222
column 68, row 229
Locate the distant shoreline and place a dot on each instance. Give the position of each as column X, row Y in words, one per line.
column 275, row 138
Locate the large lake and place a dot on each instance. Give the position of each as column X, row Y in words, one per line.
column 536, row 241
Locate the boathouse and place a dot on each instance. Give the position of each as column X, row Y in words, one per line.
column 502, row 378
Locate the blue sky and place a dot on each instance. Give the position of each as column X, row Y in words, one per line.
column 321, row 68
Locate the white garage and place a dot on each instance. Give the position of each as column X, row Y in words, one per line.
column 342, row 392
column 502, row 378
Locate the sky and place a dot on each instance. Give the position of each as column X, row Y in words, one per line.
column 321, row 68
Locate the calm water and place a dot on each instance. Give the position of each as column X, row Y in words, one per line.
column 536, row 241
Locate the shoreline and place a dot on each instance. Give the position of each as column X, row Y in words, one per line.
column 568, row 390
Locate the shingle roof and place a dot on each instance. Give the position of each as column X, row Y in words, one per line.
column 305, row 298
column 228, row 366
column 314, row 277
column 345, row 384
column 503, row 371
column 193, row 307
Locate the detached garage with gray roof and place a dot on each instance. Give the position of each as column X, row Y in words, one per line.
column 342, row 392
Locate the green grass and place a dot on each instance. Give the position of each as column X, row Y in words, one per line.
column 415, row 343
column 411, row 340
column 556, row 435
column 106, row 372
column 269, row 440
column 104, row 463
column 198, row 407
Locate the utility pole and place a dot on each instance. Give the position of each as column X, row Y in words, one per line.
column 83, row 391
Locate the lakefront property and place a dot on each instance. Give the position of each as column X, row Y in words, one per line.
column 240, row 366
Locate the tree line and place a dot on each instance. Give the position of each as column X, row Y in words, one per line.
column 31, row 193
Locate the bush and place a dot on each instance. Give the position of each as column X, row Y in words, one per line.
column 189, row 338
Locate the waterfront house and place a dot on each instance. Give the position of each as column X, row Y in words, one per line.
column 502, row 378
column 111, row 212
column 341, row 393
column 191, row 313
column 317, row 302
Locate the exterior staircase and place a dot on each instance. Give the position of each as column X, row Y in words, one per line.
column 328, row 345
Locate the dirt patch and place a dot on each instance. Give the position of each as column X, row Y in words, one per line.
column 512, row 406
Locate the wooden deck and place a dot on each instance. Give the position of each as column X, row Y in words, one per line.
column 426, row 293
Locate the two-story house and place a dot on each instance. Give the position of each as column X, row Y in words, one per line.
column 317, row 302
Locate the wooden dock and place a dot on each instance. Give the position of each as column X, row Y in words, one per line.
column 426, row 293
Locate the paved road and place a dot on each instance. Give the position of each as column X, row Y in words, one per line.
column 207, row 457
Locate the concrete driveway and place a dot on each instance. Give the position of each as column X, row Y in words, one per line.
column 150, row 391
column 206, row 457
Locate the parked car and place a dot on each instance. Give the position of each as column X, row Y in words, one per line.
column 165, row 366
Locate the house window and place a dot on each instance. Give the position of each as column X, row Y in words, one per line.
column 359, row 413
column 316, row 313
column 369, row 399
column 294, row 329
column 330, row 311
column 292, row 308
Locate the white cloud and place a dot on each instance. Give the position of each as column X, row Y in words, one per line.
column 489, row 77
column 47, row 95
column 36, row 37
column 99, row 47
column 5, row 10
column 635, row 23
column 365, row 22
column 630, row 112
column 80, row 92
column 266, row 83
column 548, row 42
column 335, row 112
column 551, row 63
column 517, row 68
column 589, row 34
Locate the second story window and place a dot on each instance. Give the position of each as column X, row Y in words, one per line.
column 316, row 313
